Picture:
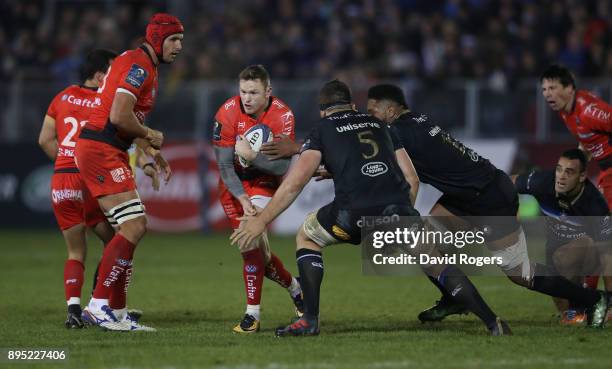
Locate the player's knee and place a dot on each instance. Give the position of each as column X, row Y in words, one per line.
column 134, row 229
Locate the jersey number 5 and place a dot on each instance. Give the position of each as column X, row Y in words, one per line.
column 363, row 138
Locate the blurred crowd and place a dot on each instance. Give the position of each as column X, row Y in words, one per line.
column 500, row 40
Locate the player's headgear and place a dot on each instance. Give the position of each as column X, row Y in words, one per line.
column 162, row 25
column 561, row 73
column 387, row 92
column 334, row 93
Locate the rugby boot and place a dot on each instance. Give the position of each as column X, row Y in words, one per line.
column 74, row 320
column 301, row 327
column 573, row 317
column 596, row 314
column 248, row 324
column 443, row 308
column 501, row 328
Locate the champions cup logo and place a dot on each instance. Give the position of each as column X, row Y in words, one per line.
column 229, row 104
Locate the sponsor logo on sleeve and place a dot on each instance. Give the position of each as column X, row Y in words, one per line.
column 136, row 76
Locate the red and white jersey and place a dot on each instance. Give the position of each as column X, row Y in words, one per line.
column 591, row 123
column 133, row 73
column 71, row 109
column 232, row 121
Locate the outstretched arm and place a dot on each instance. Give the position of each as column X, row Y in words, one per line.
column 291, row 187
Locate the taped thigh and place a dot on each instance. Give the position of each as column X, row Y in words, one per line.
column 127, row 210
column 316, row 232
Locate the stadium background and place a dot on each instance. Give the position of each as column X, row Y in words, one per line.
column 472, row 65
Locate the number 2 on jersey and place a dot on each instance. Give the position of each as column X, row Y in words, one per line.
column 368, row 141
column 67, row 141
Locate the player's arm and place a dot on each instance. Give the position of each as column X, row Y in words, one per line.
column 282, row 147
column 123, row 117
column 289, row 189
column 225, row 162
column 586, row 152
column 532, row 183
column 259, row 160
column 47, row 139
column 409, row 172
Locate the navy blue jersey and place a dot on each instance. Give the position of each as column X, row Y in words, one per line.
column 359, row 152
column 567, row 219
column 440, row 160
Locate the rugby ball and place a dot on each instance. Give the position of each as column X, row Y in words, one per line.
column 256, row 136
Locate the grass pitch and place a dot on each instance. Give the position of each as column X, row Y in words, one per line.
column 190, row 288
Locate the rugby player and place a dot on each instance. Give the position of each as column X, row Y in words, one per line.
column 346, row 141
column 127, row 95
column 474, row 188
column 248, row 190
column 577, row 222
column 74, row 208
column 589, row 119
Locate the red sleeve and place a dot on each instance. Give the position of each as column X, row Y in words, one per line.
column 598, row 115
column 224, row 133
column 284, row 122
column 52, row 110
column 133, row 77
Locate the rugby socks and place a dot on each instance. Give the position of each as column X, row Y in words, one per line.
column 116, row 258
column 74, row 272
column 253, row 271
column 310, row 265
column 461, row 289
column 253, row 310
column 118, row 296
column 435, row 281
column 547, row 282
column 275, row 270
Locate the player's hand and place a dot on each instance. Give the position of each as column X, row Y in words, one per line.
column 281, row 147
column 161, row 164
column 321, row 174
column 247, row 207
column 253, row 228
column 244, row 150
column 155, row 138
column 152, row 171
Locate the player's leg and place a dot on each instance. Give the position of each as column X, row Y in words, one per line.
column 573, row 260
column 275, row 269
column 70, row 218
column 253, row 271
column 310, row 239
column 442, row 218
column 460, row 293
column 74, row 270
column 127, row 209
column 512, row 249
